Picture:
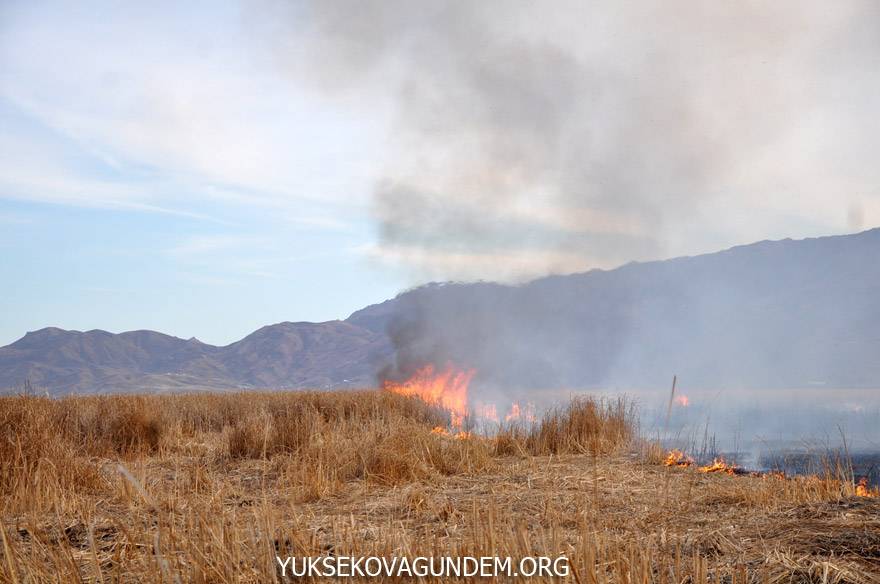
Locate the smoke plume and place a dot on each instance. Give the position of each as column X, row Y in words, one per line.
column 532, row 138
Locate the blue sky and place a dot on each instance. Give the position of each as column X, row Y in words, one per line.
column 149, row 180
column 205, row 168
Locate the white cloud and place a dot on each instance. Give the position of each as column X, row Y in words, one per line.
column 176, row 96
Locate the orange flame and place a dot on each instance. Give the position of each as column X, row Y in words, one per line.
column 678, row 458
column 863, row 490
column 460, row 435
column 514, row 413
column 719, row 465
column 447, row 389
column 682, row 400
column 518, row 412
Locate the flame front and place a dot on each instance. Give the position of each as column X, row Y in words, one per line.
column 447, row 389
column 719, row 465
column 678, row 458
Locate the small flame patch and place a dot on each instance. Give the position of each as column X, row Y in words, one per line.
column 720, row 466
column 863, row 490
column 678, row 458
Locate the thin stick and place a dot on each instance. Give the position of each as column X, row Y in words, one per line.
column 669, row 406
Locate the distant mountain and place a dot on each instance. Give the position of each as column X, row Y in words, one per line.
column 284, row 355
column 328, row 354
column 770, row 314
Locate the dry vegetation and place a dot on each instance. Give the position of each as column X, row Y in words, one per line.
column 208, row 488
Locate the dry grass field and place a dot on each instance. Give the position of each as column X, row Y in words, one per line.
column 208, row 488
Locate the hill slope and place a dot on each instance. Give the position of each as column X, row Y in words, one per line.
column 284, row 355
column 770, row 314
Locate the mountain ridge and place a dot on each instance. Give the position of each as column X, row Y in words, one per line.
column 65, row 361
column 768, row 313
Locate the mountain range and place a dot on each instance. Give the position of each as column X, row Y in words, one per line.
column 769, row 314
column 284, row 355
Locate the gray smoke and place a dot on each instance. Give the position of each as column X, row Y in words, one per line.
column 531, row 138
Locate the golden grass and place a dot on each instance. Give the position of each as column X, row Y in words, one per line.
column 208, row 488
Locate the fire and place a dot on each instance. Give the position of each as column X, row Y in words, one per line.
column 678, row 458
column 863, row 490
column 447, row 389
column 682, row 400
column 519, row 412
column 460, row 435
column 719, row 465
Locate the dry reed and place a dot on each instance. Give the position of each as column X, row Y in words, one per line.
column 209, row 487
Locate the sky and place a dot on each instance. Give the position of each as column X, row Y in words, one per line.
column 206, row 168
